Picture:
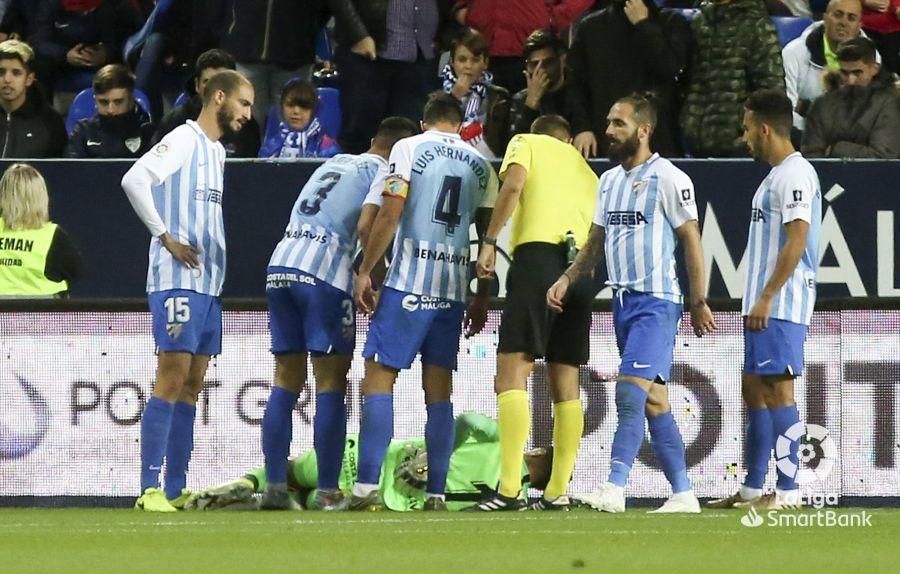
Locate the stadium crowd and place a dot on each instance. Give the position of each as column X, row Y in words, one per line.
column 326, row 72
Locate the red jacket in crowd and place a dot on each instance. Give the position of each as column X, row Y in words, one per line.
column 887, row 22
column 506, row 23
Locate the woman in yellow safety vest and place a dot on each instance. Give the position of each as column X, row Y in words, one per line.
column 37, row 258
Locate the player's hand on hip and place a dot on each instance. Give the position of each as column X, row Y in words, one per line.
column 702, row 319
column 476, row 316
column 556, row 294
column 487, row 259
column 586, row 144
column 184, row 253
column 365, row 295
column 758, row 319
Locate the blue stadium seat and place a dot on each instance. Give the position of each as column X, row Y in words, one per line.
column 330, row 110
column 688, row 13
column 182, row 99
column 83, row 107
column 790, row 27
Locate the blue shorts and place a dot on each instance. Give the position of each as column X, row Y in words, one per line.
column 776, row 350
column 186, row 322
column 307, row 314
column 645, row 333
column 406, row 324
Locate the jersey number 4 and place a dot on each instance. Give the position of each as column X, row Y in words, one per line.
column 446, row 209
column 327, row 183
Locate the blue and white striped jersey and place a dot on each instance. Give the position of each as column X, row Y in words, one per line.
column 640, row 210
column 443, row 181
column 791, row 191
column 320, row 238
column 188, row 170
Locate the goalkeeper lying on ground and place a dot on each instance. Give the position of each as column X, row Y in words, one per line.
column 474, row 472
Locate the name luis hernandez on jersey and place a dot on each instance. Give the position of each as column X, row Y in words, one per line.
column 454, row 153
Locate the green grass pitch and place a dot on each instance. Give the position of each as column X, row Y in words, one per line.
column 69, row 541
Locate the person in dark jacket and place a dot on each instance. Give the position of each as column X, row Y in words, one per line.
column 37, row 258
column 545, row 77
column 72, row 36
column 736, row 52
column 861, row 118
column 273, row 41
column 386, row 58
column 630, row 46
column 121, row 129
column 29, row 127
column 247, row 141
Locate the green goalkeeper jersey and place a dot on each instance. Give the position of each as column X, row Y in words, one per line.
column 474, row 466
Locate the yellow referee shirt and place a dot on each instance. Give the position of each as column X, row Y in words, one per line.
column 559, row 195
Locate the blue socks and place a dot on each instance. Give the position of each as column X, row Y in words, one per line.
column 330, row 431
column 758, row 448
column 277, row 429
column 784, row 418
column 155, row 423
column 375, row 433
column 440, row 433
column 178, row 449
column 668, row 447
column 630, row 403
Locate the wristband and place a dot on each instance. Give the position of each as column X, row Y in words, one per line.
column 487, row 240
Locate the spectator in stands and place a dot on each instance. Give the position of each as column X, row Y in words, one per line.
column 121, row 129
column 246, row 142
column 881, row 21
column 164, row 52
column 29, row 127
column 809, row 57
column 485, row 106
column 386, row 59
column 545, row 82
column 631, row 46
column 736, row 52
column 80, row 35
column 506, row 28
column 37, row 258
column 861, row 118
column 299, row 132
column 273, row 44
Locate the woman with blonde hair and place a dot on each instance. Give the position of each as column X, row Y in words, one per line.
column 37, row 258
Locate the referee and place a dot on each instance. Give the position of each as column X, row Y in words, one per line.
column 550, row 192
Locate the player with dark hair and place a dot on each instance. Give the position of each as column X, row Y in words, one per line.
column 474, row 471
column 779, row 295
column 549, row 191
column 645, row 206
column 436, row 184
column 311, row 313
column 176, row 190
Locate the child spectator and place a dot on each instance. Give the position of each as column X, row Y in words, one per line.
column 485, row 106
column 299, row 133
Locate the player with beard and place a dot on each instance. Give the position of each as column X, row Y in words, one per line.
column 644, row 207
column 779, row 295
column 176, row 189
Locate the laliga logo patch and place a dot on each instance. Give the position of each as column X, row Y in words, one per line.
column 816, row 455
column 17, row 443
column 410, row 303
column 161, row 150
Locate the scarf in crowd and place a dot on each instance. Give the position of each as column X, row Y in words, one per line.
column 303, row 143
column 475, row 102
column 80, row 5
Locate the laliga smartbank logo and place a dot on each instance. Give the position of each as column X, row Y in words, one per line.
column 816, row 455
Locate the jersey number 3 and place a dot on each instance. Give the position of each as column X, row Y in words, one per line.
column 328, row 181
column 446, row 209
